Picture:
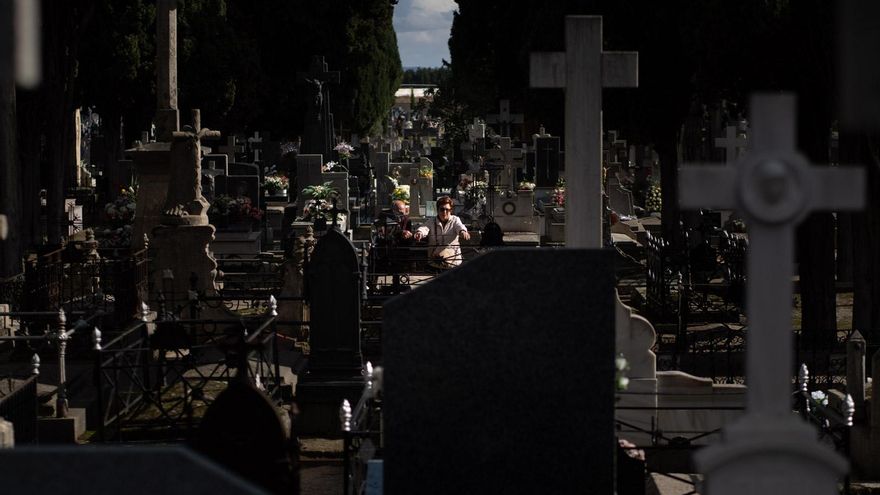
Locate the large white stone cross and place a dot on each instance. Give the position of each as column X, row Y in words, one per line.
column 504, row 118
column 774, row 187
column 731, row 143
column 506, row 155
column 583, row 70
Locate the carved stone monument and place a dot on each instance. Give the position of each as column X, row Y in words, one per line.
column 770, row 450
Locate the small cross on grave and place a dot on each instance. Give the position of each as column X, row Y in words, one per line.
column 230, row 149
column 334, row 212
column 254, row 144
column 506, row 155
column 774, row 187
column 583, row 69
column 731, row 143
column 504, row 118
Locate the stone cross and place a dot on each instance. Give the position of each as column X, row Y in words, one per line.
column 230, row 148
column 731, row 143
column 506, row 155
column 167, row 117
column 254, row 143
column 185, row 203
column 504, row 118
column 583, row 69
column 774, row 187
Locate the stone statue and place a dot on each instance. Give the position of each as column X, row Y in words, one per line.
column 317, row 87
column 184, row 204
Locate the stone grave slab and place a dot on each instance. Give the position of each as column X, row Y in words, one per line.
column 474, row 403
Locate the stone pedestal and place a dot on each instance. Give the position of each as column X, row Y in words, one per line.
column 152, row 162
column 183, row 249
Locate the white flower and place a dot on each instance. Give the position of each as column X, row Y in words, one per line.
column 819, row 397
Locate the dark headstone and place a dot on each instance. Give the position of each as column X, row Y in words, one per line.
column 334, row 367
column 243, row 431
column 499, row 377
column 111, row 470
column 548, row 161
column 242, row 180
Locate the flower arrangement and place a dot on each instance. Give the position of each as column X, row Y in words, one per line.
column 316, row 208
column 401, row 193
column 333, row 167
column 653, row 197
column 558, row 194
column 275, row 183
column 344, row 150
column 235, row 209
column 121, row 210
column 526, row 186
column 322, row 191
column 426, row 171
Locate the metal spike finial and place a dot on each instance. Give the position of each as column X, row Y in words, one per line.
column 273, row 306
column 849, row 409
column 345, row 415
column 35, row 364
column 62, row 319
column 145, row 311
column 96, row 337
column 803, row 377
column 368, row 375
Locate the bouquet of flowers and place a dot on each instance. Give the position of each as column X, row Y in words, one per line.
column 275, row 183
column 235, row 209
column 333, row 167
column 558, row 194
column 426, row 171
column 323, row 191
column 401, row 193
column 526, row 186
column 121, row 210
column 653, row 197
column 344, row 150
column 114, row 238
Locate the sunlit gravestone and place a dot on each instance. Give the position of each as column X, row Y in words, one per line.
column 583, row 69
column 770, row 450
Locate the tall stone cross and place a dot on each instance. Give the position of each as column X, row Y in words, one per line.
column 318, row 137
column 769, row 449
column 167, row 117
column 731, row 143
column 504, row 118
column 506, row 155
column 255, row 143
column 583, row 69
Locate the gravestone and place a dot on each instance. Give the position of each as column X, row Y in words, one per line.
column 548, row 160
column 243, row 431
column 231, row 149
column 510, row 159
column 583, row 70
column 771, row 450
column 334, row 367
column 620, row 199
column 241, row 180
column 474, row 404
column 213, row 166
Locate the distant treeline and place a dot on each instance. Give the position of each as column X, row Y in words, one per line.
column 425, row 75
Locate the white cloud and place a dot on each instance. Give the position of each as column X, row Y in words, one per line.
column 422, row 28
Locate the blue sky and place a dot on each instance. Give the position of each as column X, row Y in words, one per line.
column 422, row 28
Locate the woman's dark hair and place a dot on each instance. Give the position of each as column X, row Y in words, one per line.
column 445, row 200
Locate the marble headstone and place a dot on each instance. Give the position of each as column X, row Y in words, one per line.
column 476, row 401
